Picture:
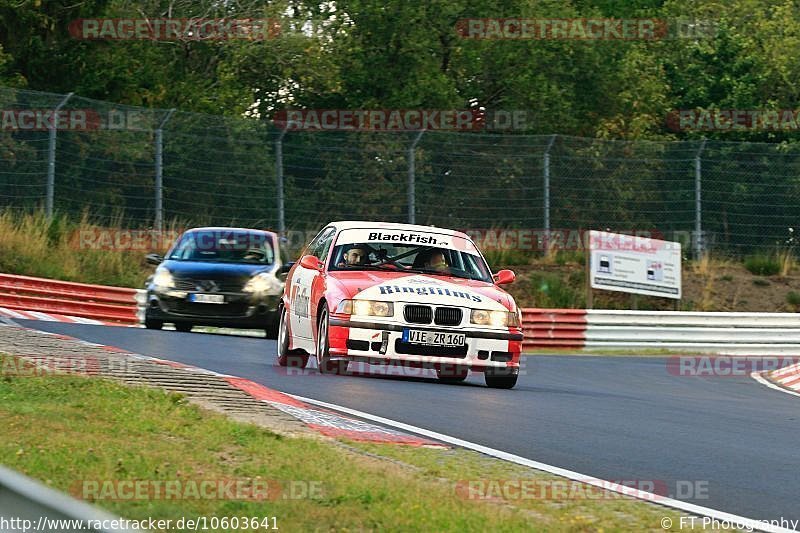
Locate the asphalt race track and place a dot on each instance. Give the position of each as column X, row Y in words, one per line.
column 616, row 418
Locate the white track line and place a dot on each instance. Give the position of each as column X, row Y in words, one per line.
column 589, row 480
column 764, row 381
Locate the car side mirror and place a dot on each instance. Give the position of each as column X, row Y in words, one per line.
column 286, row 267
column 311, row 262
column 153, row 259
column 504, row 277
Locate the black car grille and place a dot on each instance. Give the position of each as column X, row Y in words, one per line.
column 448, row 316
column 418, row 314
column 436, row 351
column 234, row 309
column 223, row 285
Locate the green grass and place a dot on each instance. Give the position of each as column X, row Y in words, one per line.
column 68, row 430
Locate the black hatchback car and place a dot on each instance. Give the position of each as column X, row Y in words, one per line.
column 225, row 277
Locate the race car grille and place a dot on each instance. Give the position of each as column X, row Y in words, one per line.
column 436, row 351
column 418, row 314
column 208, row 285
column 448, row 316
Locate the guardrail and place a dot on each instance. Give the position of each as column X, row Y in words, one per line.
column 752, row 333
column 114, row 304
column 38, row 507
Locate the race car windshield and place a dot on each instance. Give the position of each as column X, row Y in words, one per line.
column 410, row 258
column 224, row 247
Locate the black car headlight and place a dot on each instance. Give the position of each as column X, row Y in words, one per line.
column 163, row 280
column 263, row 284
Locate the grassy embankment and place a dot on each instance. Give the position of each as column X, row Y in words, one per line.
column 67, row 430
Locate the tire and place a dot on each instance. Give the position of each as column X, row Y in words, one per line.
column 272, row 330
column 324, row 363
column 286, row 357
column 452, row 375
column 183, row 326
column 149, row 323
column 500, row 378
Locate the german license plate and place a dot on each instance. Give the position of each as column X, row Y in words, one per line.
column 207, row 298
column 434, row 338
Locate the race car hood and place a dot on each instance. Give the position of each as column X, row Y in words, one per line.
column 422, row 288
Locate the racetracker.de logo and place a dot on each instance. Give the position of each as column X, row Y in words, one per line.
column 588, row 489
column 585, row 29
column 727, row 120
column 541, row 240
column 39, row 366
column 399, row 119
column 727, row 366
column 184, row 29
column 239, row 489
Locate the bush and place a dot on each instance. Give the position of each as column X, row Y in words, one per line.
column 762, row 265
column 793, row 299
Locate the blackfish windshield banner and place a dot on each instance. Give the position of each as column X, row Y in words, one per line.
column 406, row 237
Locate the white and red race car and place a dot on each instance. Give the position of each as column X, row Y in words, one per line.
column 416, row 296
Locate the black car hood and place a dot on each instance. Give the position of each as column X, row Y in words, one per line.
column 213, row 270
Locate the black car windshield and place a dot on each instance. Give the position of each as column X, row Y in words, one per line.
column 224, row 246
column 423, row 259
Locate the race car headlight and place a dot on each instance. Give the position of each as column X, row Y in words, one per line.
column 263, row 284
column 163, row 279
column 366, row 308
column 484, row 317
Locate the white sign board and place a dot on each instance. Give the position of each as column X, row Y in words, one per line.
column 634, row 264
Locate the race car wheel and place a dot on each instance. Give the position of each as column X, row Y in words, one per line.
column 324, row 363
column 501, row 378
column 183, row 326
column 287, row 357
column 449, row 374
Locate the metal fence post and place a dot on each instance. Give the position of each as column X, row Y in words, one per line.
column 698, row 205
column 279, row 178
column 412, row 194
column 51, row 160
column 546, row 175
column 159, row 222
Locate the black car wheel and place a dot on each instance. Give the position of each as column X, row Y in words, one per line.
column 286, row 357
column 183, row 326
column 153, row 324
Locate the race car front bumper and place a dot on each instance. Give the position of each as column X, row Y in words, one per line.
column 382, row 343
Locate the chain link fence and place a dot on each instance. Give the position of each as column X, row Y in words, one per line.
column 145, row 167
